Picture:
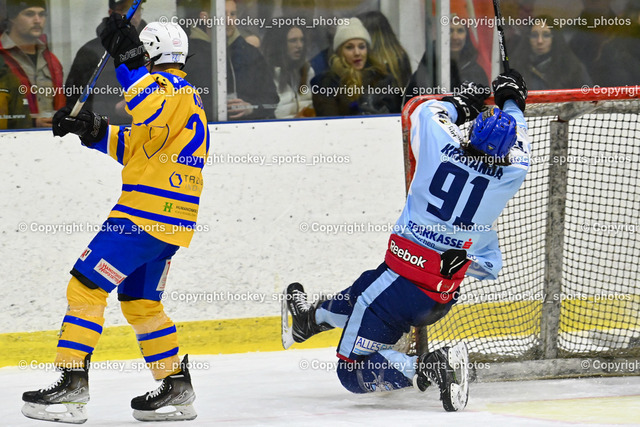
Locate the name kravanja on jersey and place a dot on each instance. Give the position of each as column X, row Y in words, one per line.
column 458, row 154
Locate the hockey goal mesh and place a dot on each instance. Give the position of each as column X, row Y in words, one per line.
column 598, row 299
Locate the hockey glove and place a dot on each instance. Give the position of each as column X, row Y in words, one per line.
column 89, row 126
column 469, row 101
column 451, row 261
column 121, row 40
column 510, row 85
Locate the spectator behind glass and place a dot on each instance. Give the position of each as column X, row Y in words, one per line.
column 464, row 64
column 347, row 89
column 630, row 43
column 329, row 14
column 320, row 61
column 269, row 9
column 596, row 44
column 385, row 47
column 620, row 50
column 251, row 93
column 14, row 108
column 107, row 98
column 516, row 10
column 24, row 50
column 285, row 50
column 464, row 58
column 546, row 62
column 199, row 65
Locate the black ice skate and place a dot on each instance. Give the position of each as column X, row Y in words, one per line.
column 172, row 401
column 64, row 401
column 303, row 316
column 448, row 368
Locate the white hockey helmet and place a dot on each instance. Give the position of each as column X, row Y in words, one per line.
column 166, row 43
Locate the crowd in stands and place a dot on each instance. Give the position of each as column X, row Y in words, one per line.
column 356, row 67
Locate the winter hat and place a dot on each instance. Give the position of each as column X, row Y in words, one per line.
column 14, row 7
column 353, row 30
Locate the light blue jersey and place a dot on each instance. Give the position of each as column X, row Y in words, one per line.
column 454, row 201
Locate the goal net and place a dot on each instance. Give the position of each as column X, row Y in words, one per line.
column 570, row 239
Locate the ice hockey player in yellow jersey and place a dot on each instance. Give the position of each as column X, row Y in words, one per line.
column 162, row 152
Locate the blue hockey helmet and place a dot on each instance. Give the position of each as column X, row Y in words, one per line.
column 493, row 133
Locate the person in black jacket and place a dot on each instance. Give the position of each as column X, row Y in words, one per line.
column 199, row 63
column 546, row 61
column 601, row 42
column 464, row 65
column 464, row 58
column 251, row 91
column 107, row 97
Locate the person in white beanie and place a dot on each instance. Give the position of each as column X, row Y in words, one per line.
column 356, row 84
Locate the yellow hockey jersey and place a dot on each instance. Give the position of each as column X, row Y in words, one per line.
column 163, row 153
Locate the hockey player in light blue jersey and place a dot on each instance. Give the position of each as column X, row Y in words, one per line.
column 446, row 231
column 457, row 193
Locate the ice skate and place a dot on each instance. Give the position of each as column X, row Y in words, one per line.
column 172, row 401
column 449, row 369
column 64, row 401
column 303, row 316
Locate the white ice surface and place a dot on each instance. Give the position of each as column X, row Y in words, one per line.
column 266, row 389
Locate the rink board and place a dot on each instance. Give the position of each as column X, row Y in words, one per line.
column 263, row 334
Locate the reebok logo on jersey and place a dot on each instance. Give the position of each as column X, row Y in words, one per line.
column 405, row 255
column 109, row 272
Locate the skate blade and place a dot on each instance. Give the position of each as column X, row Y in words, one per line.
column 459, row 361
column 287, row 331
column 167, row 413
column 71, row 413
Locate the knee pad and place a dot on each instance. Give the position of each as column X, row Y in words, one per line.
column 84, row 299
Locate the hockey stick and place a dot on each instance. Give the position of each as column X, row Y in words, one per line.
column 503, row 46
column 103, row 61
